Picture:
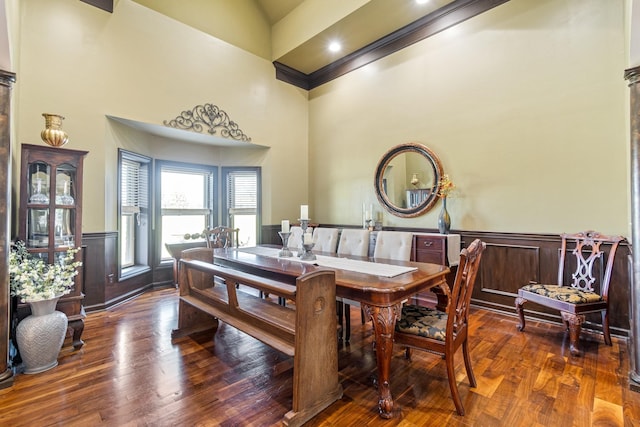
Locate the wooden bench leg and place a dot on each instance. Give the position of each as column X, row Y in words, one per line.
column 191, row 320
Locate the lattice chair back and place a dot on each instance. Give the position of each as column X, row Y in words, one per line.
column 590, row 258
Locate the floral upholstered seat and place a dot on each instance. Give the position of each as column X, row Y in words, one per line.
column 423, row 321
column 563, row 293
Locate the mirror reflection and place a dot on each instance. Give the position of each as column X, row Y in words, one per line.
column 407, row 178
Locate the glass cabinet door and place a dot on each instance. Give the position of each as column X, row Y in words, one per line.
column 50, row 204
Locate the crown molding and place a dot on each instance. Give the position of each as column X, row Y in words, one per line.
column 439, row 20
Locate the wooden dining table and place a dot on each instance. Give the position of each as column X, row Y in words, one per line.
column 381, row 297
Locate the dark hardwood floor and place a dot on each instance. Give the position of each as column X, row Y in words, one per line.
column 129, row 373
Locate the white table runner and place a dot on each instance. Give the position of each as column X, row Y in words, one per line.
column 358, row 266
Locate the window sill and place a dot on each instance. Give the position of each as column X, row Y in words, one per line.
column 136, row 270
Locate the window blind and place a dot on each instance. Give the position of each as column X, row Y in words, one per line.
column 130, row 187
column 242, row 192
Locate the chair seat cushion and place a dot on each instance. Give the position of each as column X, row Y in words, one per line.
column 422, row 321
column 563, row 293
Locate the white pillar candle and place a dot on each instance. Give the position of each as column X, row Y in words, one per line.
column 304, row 212
column 285, row 226
column 308, row 239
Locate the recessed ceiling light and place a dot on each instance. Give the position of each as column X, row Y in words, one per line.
column 422, row 1
column 335, row 46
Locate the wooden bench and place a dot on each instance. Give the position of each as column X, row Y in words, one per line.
column 305, row 330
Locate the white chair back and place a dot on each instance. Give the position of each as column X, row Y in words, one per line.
column 295, row 239
column 354, row 241
column 325, row 239
column 393, row 245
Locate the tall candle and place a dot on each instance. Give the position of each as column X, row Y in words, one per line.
column 307, row 239
column 285, row 226
column 304, row 212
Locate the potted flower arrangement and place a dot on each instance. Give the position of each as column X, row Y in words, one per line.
column 34, row 280
column 445, row 188
column 41, row 335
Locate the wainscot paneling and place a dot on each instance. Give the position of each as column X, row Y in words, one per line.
column 512, row 260
column 102, row 287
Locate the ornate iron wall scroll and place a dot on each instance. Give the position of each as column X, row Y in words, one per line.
column 211, row 116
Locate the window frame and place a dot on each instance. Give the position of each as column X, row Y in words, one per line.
column 214, row 202
column 142, row 240
column 225, row 172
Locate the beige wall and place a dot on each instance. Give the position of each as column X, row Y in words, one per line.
column 238, row 22
column 84, row 63
column 524, row 104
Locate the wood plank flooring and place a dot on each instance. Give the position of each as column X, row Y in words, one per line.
column 129, row 373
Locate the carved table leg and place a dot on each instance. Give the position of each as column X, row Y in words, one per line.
column 78, row 327
column 575, row 325
column 519, row 303
column 384, row 321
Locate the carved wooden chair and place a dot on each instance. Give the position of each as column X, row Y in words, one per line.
column 586, row 291
column 444, row 332
column 221, row 237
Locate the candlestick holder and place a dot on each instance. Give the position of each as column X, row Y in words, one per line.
column 307, row 255
column 285, row 252
column 304, row 224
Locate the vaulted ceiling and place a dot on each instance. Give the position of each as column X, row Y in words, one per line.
column 296, row 33
column 355, row 24
column 367, row 29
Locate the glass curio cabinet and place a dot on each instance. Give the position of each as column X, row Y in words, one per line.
column 50, row 217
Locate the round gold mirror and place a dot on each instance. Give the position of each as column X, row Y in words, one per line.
column 407, row 180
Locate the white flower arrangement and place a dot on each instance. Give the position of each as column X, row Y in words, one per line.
column 34, row 280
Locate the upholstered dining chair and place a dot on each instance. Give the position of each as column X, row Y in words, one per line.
column 325, row 239
column 444, row 332
column 585, row 291
column 221, row 237
column 353, row 241
column 295, row 239
column 393, row 245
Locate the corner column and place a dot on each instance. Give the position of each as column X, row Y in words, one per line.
column 6, row 82
column 633, row 76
